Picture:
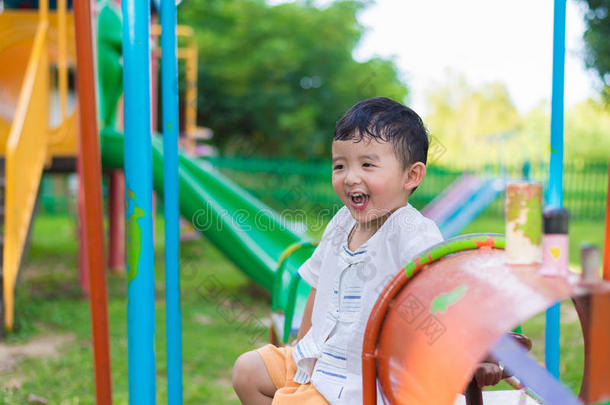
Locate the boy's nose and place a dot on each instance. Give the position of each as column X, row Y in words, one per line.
column 352, row 177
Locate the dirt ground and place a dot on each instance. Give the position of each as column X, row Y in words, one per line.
column 11, row 355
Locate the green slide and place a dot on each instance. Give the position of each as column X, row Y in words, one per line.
column 249, row 233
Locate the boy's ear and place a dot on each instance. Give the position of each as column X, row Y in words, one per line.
column 415, row 175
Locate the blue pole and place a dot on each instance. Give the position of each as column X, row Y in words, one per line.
column 555, row 190
column 169, row 91
column 138, row 179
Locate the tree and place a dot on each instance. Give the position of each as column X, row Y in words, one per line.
column 479, row 126
column 273, row 80
column 587, row 126
column 597, row 19
column 474, row 125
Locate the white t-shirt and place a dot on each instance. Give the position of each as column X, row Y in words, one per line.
column 348, row 285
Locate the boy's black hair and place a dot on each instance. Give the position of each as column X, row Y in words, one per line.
column 383, row 119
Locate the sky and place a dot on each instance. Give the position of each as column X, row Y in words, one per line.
column 485, row 40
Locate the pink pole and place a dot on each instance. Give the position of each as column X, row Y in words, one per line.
column 154, row 95
column 116, row 231
column 154, row 76
column 83, row 267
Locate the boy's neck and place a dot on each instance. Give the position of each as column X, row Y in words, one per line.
column 363, row 231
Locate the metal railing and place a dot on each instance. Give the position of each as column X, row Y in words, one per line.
column 290, row 184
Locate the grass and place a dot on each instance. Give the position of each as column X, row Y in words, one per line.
column 49, row 302
column 224, row 314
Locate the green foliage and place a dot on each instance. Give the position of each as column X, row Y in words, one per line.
column 470, row 122
column 597, row 19
column 587, row 126
column 478, row 126
column 273, row 80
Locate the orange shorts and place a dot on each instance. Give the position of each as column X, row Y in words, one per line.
column 281, row 368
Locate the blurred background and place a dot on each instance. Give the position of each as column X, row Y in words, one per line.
column 274, row 76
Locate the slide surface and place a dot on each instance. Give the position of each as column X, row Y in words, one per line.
column 24, row 109
column 460, row 203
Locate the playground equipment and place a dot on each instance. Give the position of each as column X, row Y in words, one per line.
column 91, row 191
column 460, row 203
column 208, row 198
column 247, row 231
column 32, row 134
column 464, row 291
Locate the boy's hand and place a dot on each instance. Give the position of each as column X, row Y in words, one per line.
column 488, row 373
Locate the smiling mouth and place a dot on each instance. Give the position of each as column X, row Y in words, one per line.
column 359, row 200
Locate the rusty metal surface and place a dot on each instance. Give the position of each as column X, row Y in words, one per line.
column 446, row 320
column 597, row 349
column 94, row 212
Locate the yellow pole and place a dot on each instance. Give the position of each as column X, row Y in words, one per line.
column 189, row 54
column 43, row 10
column 61, row 62
column 190, row 93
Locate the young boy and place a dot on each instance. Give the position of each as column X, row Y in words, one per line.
column 379, row 153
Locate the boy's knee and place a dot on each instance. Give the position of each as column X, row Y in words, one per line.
column 251, row 378
column 245, row 368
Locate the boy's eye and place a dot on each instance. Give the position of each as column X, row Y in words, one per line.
column 338, row 167
column 367, row 165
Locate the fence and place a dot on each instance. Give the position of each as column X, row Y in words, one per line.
column 290, row 184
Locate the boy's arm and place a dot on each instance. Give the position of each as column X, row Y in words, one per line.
column 306, row 321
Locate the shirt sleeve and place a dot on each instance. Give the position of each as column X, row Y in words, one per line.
column 310, row 270
column 424, row 235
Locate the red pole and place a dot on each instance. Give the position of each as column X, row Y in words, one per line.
column 92, row 176
column 607, row 236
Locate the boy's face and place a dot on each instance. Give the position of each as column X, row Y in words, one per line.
column 369, row 179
